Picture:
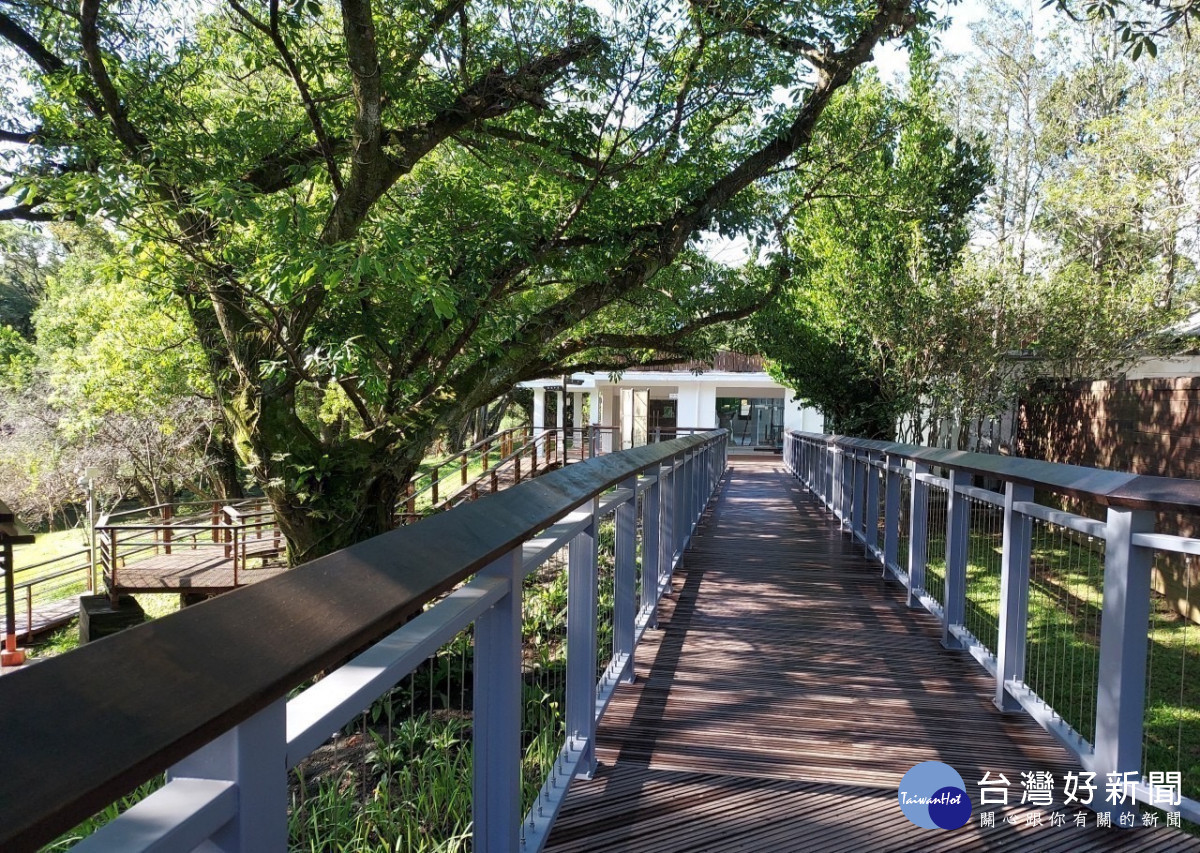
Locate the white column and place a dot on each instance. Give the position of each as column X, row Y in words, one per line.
column 706, row 405
column 576, row 409
column 687, row 405
column 560, row 409
column 539, row 408
column 609, row 416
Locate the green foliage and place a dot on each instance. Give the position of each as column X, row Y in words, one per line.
column 377, row 221
column 1139, row 24
column 1082, row 250
column 112, row 344
column 27, row 259
column 858, row 331
column 112, row 378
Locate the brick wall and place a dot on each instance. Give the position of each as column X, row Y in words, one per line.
column 1147, row 426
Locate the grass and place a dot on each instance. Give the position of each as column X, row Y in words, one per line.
column 66, row 638
column 1063, row 641
column 49, row 546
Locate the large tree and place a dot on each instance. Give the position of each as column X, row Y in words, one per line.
column 869, row 307
column 390, row 216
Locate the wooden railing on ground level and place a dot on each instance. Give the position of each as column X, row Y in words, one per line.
column 204, row 693
column 56, row 580
column 1057, row 607
column 235, row 533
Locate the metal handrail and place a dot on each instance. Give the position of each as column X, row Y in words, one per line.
column 220, row 674
column 852, row 477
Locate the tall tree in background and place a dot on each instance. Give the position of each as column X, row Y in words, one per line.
column 870, row 247
column 1085, row 245
column 110, row 377
column 378, row 220
column 27, row 260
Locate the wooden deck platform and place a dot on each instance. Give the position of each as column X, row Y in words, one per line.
column 187, row 571
column 788, row 692
column 47, row 615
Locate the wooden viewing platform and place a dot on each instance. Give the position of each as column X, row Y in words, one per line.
column 189, row 571
column 786, row 696
column 206, row 554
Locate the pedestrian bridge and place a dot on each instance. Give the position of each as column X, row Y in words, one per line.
column 744, row 655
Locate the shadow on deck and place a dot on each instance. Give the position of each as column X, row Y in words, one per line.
column 787, row 694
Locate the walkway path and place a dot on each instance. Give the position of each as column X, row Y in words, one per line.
column 787, row 694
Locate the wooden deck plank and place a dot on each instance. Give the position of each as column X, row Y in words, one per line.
column 186, row 570
column 786, row 694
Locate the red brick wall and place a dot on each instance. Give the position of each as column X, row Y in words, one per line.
column 1148, row 426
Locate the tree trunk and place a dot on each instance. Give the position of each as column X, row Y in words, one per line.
column 346, row 511
column 226, row 479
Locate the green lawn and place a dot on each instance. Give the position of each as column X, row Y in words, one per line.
column 1063, row 641
column 49, row 546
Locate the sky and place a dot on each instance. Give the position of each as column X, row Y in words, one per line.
column 891, row 59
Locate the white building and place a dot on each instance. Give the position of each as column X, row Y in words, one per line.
column 638, row 406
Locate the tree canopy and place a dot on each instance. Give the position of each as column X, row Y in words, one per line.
column 863, row 323
column 377, row 220
column 1047, row 227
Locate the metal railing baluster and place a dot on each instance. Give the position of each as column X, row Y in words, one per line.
column 496, row 782
column 1014, row 595
column 918, row 532
column 581, row 643
column 625, row 578
column 1121, row 693
column 251, row 755
column 958, row 531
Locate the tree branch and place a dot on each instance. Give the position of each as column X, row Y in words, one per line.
column 664, row 340
column 432, row 28
column 30, row 213
column 659, row 245
column 585, row 160
column 273, row 32
column 21, row 137
column 757, row 30
column 43, row 57
column 368, row 161
column 129, row 136
column 23, row 40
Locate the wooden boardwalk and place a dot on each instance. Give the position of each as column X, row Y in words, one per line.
column 47, row 615
column 788, row 692
column 188, row 571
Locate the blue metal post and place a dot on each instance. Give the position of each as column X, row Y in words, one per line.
column 871, row 510
column 666, row 563
column 253, row 755
column 1124, row 632
column 680, row 490
column 651, row 547
column 858, row 500
column 891, row 516
column 625, row 577
column 958, row 532
column 496, row 786
column 918, row 532
column 1014, row 595
column 845, row 479
column 581, row 643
